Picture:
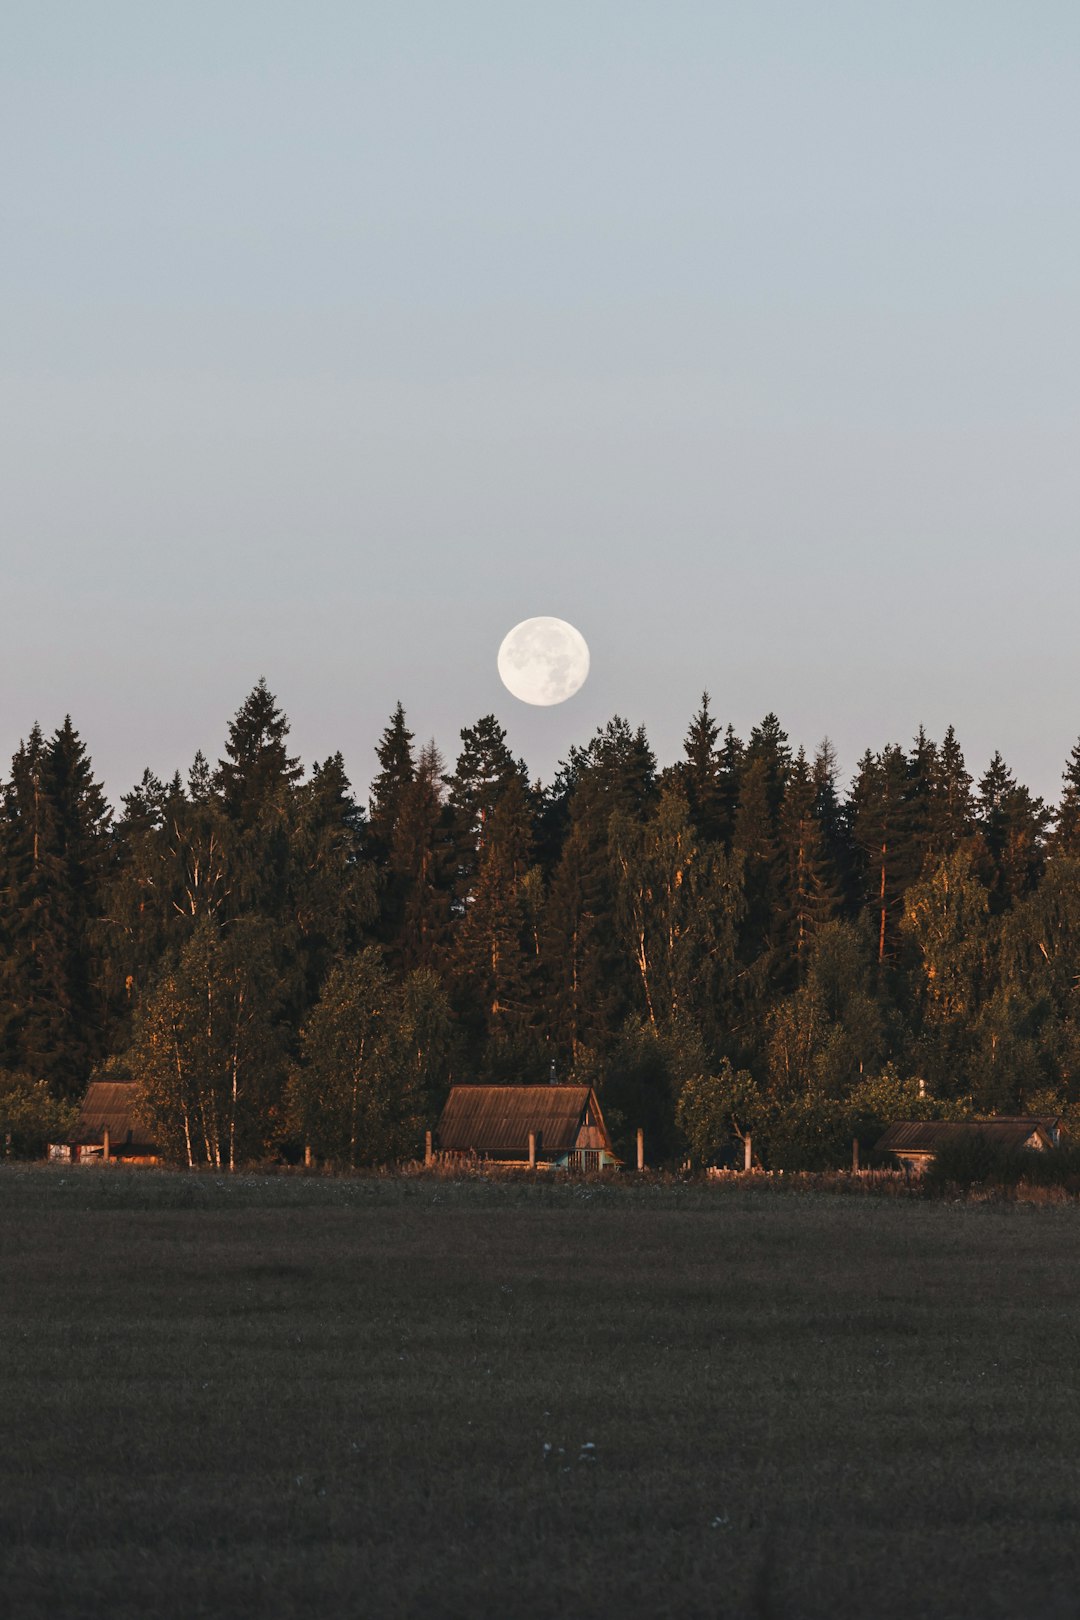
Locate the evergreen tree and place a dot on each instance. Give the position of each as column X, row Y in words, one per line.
column 886, row 860
column 809, row 893
column 332, row 895
column 495, row 964
column 585, row 968
column 953, row 817
column 56, row 848
column 702, row 777
column 257, row 768
column 769, row 744
column 1013, row 826
column 485, row 771
column 397, row 768
column 1066, row 839
column 421, row 868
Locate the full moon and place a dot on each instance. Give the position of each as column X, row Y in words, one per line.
column 544, row 661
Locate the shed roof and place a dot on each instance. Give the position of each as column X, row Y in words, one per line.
column 110, row 1105
column 498, row 1119
column 927, row 1135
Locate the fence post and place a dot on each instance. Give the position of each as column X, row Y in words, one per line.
column 532, row 1150
column 855, row 1154
column 748, row 1152
column 429, row 1152
column 105, row 1144
column 640, row 1148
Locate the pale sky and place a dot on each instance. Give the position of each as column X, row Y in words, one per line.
column 336, row 338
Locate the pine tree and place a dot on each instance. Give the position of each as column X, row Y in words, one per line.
column 494, row 963
column 56, row 851
column 258, row 768
column 702, row 777
column 332, row 895
column 200, row 782
column 397, row 768
column 1066, row 839
column 878, row 812
column 755, row 843
column 953, row 815
column 1013, row 826
column 732, row 756
column 421, row 868
column 485, row 771
column 923, row 774
column 769, row 745
column 808, row 889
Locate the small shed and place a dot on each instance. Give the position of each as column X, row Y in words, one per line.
column 560, row 1127
column 915, row 1141
column 107, row 1128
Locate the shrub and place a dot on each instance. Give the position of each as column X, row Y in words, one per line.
column 977, row 1160
column 30, row 1116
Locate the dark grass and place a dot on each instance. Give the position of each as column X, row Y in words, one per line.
column 296, row 1396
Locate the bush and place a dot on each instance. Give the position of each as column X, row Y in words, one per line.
column 977, row 1160
column 808, row 1133
column 1056, row 1167
column 30, row 1116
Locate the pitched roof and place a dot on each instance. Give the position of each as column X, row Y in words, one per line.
column 498, row 1119
column 110, row 1105
column 927, row 1135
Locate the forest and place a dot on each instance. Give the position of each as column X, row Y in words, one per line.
column 722, row 945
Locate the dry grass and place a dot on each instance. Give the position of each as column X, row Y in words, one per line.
column 294, row 1396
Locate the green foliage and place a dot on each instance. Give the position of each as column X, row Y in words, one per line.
column 208, row 1052
column 373, row 1063
column 641, row 929
column 808, row 1133
column 978, row 1160
column 715, row 1109
column 31, row 1117
column 877, row 1100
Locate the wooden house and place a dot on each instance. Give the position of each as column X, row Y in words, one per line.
column 559, row 1127
column 915, row 1141
column 107, row 1128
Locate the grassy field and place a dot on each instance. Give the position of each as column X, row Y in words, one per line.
column 299, row 1396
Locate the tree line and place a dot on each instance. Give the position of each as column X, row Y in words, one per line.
column 724, row 945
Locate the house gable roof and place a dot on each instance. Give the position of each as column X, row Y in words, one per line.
column 927, row 1135
column 499, row 1119
column 110, row 1105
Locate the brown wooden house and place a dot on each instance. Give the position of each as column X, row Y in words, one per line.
column 107, row 1128
column 915, row 1141
column 558, row 1127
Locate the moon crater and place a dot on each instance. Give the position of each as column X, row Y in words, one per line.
column 544, row 661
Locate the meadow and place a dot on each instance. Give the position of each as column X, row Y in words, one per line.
column 296, row 1395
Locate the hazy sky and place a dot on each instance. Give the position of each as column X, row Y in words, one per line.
column 337, row 338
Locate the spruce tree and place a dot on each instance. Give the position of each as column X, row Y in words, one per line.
column 702, row 777
column 953, row 810
column 484, row 772
column 1066, row 839
column 258, row 768
column 1013, row 826
column 494, row 963
column 878, row 812
column 56, row 838
column 421, row 869
column 397, row 768
column 332, row 895
column 809, row 896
